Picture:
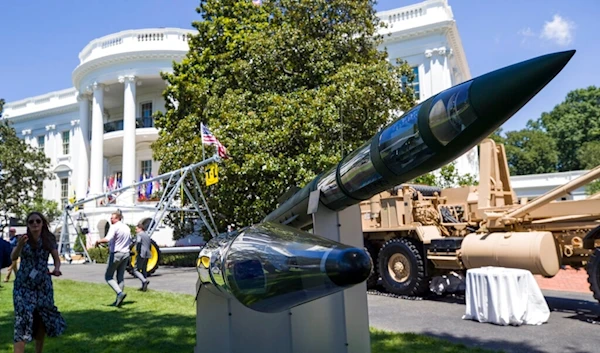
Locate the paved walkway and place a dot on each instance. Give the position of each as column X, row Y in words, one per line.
column 568, row 280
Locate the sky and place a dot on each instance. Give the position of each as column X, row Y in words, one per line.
column 41, row 40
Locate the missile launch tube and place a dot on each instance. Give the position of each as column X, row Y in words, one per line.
column 425, row 138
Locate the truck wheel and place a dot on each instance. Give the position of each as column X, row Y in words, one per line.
column 374, row 276
column 153, row 261
column 402, row 268
column 593, row 270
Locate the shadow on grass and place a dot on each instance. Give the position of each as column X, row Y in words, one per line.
column 120, row 331
column 146, row 322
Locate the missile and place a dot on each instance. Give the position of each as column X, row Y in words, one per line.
column 430, row 135
column 271, row 267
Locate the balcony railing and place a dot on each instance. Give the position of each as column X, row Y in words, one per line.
column 171, row 39
column 117, row 125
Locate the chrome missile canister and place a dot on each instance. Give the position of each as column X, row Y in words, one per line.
column 270, row 267
column 210, row 263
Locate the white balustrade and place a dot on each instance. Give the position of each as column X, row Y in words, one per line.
column 46, row 101
column 136, row 40
column 424, row 13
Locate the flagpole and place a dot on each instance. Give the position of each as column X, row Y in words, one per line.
column 201, row 139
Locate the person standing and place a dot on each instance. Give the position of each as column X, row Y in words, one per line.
column 119, row 239
column 36, row 316
column 142, row 246
column 12, row 234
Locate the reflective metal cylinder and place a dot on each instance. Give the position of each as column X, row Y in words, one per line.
column 271, row 267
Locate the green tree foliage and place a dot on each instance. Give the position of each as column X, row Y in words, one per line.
column 447, row 177
column 572, row 124
column 589, row 157
column 289, row 87
column 589, row 154
column 530, row 151
column 22, row 170
column 592, row 187
column 48, row 208
column 497, row 137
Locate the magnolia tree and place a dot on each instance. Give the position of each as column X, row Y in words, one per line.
column 288, row 86
column 22, row 171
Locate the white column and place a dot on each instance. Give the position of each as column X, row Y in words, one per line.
column 446, row 70
column 97, row 145
column 441, row 79
column 129, row 105
column 82, row 138
column 436, row 72
column 425, row 81
column 27, row 137
column 50, row 147
column 50, row 150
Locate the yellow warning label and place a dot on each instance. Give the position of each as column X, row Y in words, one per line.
column 211, row 174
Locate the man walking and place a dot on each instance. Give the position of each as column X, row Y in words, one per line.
column 142, row 246
column 119, row 239
column 12, row 233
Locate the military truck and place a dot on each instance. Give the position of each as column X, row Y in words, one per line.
column 415, row 233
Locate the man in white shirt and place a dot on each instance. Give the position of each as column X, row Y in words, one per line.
column 119, row 240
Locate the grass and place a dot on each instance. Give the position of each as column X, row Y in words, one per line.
column 392, row 342
column 146, row 322
column 154, row 322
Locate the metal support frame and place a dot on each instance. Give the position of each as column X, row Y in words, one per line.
column 175, row 181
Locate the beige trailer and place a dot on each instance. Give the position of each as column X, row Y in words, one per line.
column 415, row 232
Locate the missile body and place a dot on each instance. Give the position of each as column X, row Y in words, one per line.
column 270, row 267
column 425, row 138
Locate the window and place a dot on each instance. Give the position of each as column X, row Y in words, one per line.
column 41, row 140
column 146, row 169
column 147, row 120
column 147, row 110
column 64, row 191
column 65, row 141
column 414, row 84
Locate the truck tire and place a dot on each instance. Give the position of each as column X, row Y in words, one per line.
column 593, row 270
column 402, row 267
column 374, row 276
column 153, row 261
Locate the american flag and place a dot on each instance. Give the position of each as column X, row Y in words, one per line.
column 209, row 139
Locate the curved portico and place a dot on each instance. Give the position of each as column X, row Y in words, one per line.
column 118, row 80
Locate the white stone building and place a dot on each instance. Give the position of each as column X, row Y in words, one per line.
column 101, row 128
column 534, row 185
column 426, row 36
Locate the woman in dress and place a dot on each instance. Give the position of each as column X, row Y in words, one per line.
column 35, row 313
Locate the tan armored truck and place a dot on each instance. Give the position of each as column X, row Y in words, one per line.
column 415, row 233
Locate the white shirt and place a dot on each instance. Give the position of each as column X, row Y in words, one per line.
column 119, row 237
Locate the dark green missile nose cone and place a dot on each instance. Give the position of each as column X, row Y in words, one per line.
column 498, row 95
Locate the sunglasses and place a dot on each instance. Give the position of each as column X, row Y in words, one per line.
column 32, row 221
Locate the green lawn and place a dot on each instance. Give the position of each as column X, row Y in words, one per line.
column 153, row 322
